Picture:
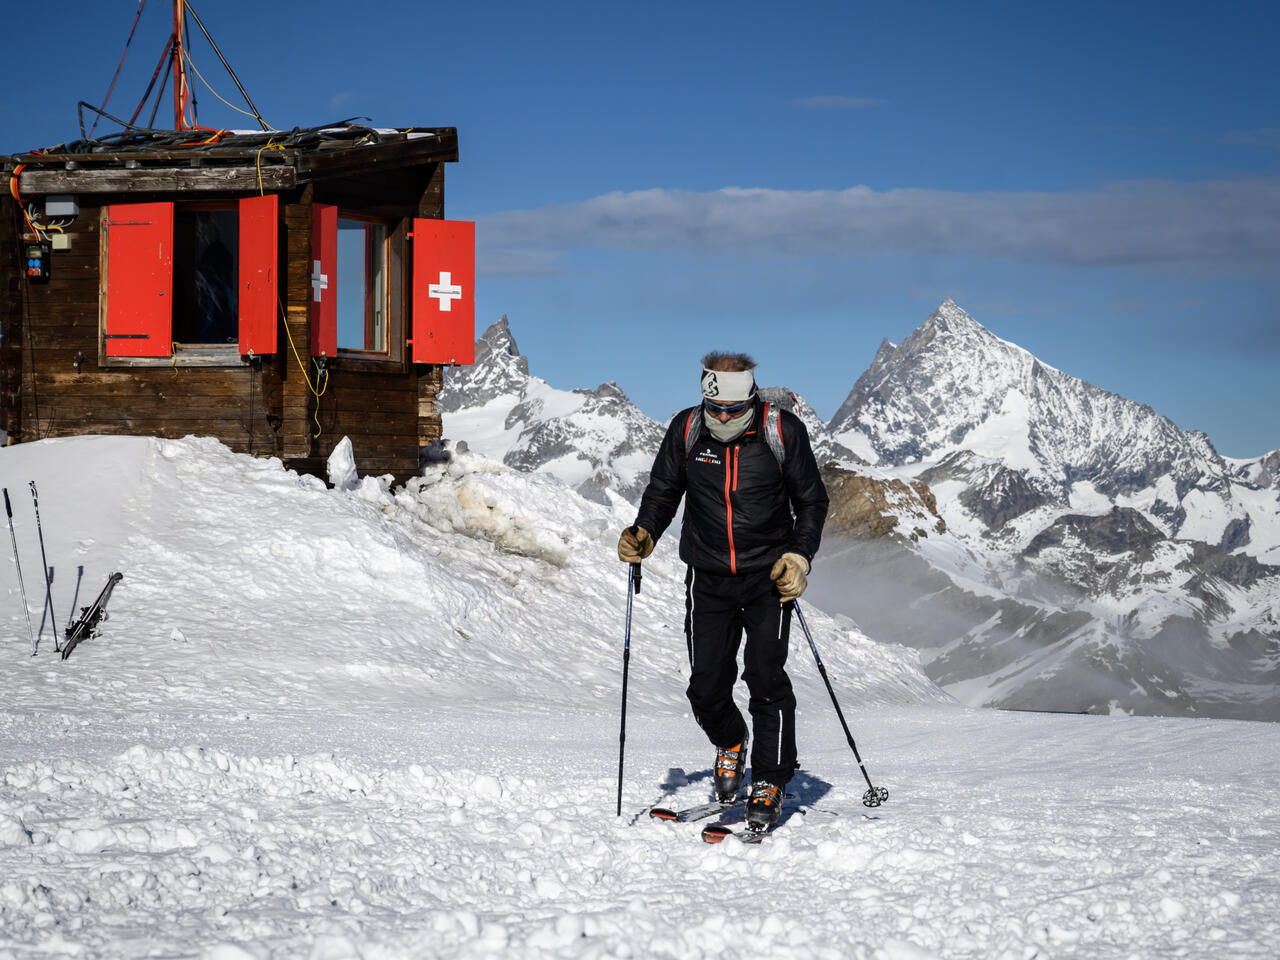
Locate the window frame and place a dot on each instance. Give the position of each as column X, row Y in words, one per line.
column 394, row 358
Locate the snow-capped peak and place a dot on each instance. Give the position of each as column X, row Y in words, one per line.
column 952, row 384
column 594, row 440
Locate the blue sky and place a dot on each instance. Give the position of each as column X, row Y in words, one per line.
column 1097, row 182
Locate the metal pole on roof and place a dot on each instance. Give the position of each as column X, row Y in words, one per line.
column 179, row 70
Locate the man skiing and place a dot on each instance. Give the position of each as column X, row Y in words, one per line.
column 744, row 468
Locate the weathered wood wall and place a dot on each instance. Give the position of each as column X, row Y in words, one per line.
column 10, row 324
column 59, row 399
column 268, row 409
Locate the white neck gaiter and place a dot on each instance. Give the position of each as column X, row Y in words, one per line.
column 730, row 430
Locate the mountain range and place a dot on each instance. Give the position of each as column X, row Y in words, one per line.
column 1043, row 543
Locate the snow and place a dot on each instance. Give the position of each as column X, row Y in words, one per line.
column 1085, row 498
column 1006, row 434
column 382, row 722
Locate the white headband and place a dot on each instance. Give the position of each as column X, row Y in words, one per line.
column 728, row 386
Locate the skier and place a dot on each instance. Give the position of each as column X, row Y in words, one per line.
column 743, row 467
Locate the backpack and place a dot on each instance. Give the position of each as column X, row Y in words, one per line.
column 772, row 429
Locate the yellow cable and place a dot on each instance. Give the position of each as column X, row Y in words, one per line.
column 270, row 145
column 191, row 63
column 303, row 368
column 13, row 189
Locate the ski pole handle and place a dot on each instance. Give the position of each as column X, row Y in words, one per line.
column 7, row 509
column 635, row 567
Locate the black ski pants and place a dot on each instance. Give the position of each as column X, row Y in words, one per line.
column 718, row 611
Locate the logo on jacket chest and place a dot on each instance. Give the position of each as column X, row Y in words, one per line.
column 709, row 456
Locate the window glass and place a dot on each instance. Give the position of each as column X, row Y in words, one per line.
column 362, row 285
column 205, row 276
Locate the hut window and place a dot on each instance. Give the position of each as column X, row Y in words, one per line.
column 194, row 282
column 205, row 276
column 362, row 285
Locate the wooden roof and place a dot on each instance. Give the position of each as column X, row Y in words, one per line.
column 273, row 160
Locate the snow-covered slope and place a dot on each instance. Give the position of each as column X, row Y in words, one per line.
column 594, row 440
column 383, row 723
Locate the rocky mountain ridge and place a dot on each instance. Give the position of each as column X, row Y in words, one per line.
column 597, row 440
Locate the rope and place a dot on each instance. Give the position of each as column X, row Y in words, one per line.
column 191, row 63
column 111, row 89
column 236, row 80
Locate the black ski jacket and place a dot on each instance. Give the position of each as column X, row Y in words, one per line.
column 738, row 500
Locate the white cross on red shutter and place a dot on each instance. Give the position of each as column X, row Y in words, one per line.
column 445, row 291
column 319, row 282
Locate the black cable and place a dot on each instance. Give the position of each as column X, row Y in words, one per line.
column 140, row 139
column 186, row 45
column 111, row 89
column 166, row 58
column 168, row 67
column 200, row 23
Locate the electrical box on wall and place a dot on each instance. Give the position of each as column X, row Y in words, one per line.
column 37, row 256
column 61, row 241
column 61, row 206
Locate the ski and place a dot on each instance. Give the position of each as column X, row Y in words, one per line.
column 700, row 812
column 91, row 617
column 716, row 832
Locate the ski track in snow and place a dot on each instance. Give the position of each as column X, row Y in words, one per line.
column 385, row 724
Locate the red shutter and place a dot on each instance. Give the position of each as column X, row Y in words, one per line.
column 139, row 279
column 324, row 280
column 259, row 236
column 444, row 280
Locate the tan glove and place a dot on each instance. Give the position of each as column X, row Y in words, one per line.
column 634, row 545
column 790, row 572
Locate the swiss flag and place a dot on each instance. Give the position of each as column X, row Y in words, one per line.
column 444, row 301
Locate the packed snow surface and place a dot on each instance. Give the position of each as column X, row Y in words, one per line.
column 368, row 722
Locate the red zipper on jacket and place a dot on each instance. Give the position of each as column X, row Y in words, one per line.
column 728, row 506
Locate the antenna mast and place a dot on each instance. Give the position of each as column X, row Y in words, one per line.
column 180, row 91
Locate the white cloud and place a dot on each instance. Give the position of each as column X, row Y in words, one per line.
column 1266, row 137
column 836, row 102
column 1143, row 223
column 340, row 98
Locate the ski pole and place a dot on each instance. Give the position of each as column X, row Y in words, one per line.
column 17, row 562
column 874, row 795
column 48, row 582
column 633, row 587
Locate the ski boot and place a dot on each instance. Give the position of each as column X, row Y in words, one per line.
column 764, row 805
column 730, row 763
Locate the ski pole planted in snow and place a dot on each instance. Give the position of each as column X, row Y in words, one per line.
column 17, row 562
column 633, row 587
column 48, row 581
column 874, row 795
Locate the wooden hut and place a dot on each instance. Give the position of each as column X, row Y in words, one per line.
column 277, row 291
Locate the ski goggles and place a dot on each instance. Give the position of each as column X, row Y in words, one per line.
column 732, row 409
